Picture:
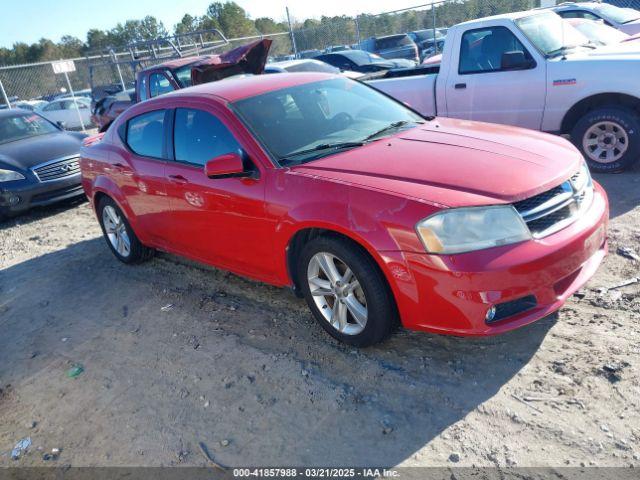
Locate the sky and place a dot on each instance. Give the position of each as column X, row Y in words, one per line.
column 29, row 20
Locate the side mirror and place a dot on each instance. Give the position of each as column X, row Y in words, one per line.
column 226, row 165
column 61, row 124
column 515, row 61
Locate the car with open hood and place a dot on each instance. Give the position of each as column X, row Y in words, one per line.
column 373, row 213
column 181, row 73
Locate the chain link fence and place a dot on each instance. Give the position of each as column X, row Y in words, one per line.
column 37, row 81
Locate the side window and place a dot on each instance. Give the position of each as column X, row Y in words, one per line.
column 199, row 137
column 143, row 87
column 159, row 84
column 481, row 50
column 145, row 134
column 51, row 107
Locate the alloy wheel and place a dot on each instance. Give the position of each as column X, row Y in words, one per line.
column 116, row 231
column 337, row 293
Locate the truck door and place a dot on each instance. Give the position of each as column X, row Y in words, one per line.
column 485, row 84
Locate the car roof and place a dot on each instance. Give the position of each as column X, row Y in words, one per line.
column 572, row 5
column 508, row 16
column 14, row 112
column 238, row 88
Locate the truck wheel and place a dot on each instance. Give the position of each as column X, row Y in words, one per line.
column 346, row 292
column 119, row 235
column 609, row 138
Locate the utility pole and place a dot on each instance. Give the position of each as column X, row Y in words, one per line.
column 293, row 37
column 4, row 95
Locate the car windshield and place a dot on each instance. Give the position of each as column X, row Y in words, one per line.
column 18, row 127
column 551, row 34
column 617, row 14
column 600, row 33
column 301, row 123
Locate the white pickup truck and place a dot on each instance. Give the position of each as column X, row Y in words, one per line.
column 533, row 70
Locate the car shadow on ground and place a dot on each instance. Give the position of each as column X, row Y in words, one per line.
column 176, row 354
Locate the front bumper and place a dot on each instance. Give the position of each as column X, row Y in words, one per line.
column 19, row 196
column 451, row 294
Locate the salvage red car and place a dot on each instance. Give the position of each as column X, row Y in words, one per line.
column 373, row 213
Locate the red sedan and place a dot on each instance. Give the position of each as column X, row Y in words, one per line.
column 376, row 215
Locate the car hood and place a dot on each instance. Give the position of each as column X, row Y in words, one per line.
column 26, row 153
column 455, row 163
column 247, row 59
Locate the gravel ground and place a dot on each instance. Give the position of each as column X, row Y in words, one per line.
column 175, row 354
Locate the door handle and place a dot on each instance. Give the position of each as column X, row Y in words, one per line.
column 460, row 86
column 179, row 179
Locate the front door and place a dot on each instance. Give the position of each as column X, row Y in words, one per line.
column 220, row 221
column 478, row 88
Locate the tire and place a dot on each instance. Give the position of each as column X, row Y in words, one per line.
column 609, row 138
column 108, row 215
column 371, row 292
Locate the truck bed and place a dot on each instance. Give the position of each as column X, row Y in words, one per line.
column 418, row 91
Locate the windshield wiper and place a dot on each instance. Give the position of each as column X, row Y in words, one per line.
column 321, row 147
column 388, row 128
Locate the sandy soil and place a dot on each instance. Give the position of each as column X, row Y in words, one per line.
column 242, row 367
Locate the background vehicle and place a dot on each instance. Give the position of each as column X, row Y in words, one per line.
column 66, row 112
column 424, row 39
column 626, row 20
column 361, row 61
column 180, row 73
column 599, row 33
column 337, row 48
column 534, row 70
column 319, row 182
column 307, row 65
column 86, row 93
column 29, row 104
column 309, row 53
column 38, row 162
column 392, row 47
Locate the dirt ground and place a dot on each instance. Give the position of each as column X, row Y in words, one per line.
column 175, row 354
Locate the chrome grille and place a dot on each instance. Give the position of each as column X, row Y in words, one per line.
column 56, row 169
column 550, row 211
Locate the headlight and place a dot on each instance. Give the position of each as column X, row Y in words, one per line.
column 461, row 230
column 582, row 178
column 9, row 175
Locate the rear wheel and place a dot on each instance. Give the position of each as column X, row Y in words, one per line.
column 346, row 292
column 609, row 138
column 119, row 235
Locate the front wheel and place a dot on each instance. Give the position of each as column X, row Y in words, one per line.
column 346, row 292
column 609, row 138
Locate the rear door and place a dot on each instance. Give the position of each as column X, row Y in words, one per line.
column 477, row 87
column 217, row 220
column 139, row 172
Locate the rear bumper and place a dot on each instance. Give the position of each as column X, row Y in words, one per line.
column 18, row 197
column 452, row 294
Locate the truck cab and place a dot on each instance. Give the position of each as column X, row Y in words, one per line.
column 534, row 70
